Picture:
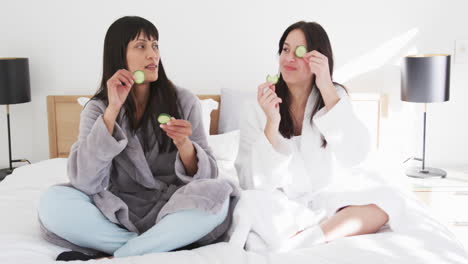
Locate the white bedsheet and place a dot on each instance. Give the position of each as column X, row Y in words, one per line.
column 20, row 240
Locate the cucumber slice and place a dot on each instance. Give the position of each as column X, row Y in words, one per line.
column 300, row 51
column 139, row 76
column 164, row 118
column 272, row 78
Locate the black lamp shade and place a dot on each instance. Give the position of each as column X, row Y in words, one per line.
column 425, row 78
column 14, row 81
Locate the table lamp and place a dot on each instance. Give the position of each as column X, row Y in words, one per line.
column 14, row 89
column 425, row 79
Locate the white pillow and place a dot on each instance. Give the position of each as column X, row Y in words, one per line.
column 83, row 100
column 230, row 114
column 207, row 105
column 225, row 148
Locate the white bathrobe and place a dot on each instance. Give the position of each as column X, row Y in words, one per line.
column 300, row 166
column 299, row 184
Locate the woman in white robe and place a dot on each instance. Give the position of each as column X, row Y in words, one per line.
column 295, row 141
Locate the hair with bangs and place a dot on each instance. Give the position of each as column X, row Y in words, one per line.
column 316, row 39
column 162, row 96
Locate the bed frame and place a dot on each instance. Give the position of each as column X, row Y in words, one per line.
column 64, row 118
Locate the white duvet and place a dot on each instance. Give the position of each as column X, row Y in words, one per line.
column 20, row 240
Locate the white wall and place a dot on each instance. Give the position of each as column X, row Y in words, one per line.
column 209, row 45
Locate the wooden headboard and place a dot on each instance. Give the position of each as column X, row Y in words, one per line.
column 64, row 119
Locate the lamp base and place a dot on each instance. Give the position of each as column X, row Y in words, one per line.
column 418, row 172
column 5, row 172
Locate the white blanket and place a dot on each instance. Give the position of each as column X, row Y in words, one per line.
column 20, row 240
column 266, row 220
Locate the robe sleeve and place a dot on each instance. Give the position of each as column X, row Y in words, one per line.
column 207, row 167
column 90, row 160
column 346, row 136
column 261, row 165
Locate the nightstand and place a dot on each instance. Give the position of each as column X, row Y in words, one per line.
column 448, row 198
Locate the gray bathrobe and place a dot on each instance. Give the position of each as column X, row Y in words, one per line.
column 135, row 189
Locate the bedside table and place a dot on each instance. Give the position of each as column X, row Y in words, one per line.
column 448, row 199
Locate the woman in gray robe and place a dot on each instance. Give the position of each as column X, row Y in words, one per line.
column 137, row 186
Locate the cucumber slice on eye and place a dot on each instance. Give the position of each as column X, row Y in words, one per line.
column 164, row 118
column 272, row 78
column 300, row 51
column 139, row 76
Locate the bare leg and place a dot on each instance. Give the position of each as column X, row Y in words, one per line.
column 354, row 220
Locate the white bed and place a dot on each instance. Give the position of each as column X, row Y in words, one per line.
column 20, row 240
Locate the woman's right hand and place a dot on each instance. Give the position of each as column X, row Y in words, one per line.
column 118, row 88
column 269, row 102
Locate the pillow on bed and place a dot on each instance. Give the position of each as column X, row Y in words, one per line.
column 230, row 115
column 207, row 105
column 225, row 148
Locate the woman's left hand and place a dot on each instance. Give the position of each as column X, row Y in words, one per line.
column 178, row 130
column 318, row 65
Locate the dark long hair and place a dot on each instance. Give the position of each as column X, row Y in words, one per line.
column 317, row 39
column 162, row 95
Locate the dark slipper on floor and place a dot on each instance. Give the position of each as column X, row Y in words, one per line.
column 75, row 255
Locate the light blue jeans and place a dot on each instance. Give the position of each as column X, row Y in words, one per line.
column 72, row 215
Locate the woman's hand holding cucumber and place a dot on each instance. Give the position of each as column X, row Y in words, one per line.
column 269, row 102
column 178, row 130
column 118, row 88
column 318, row 65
